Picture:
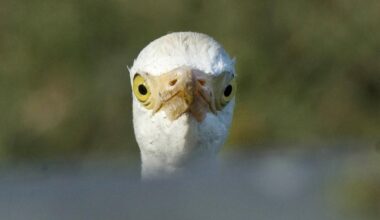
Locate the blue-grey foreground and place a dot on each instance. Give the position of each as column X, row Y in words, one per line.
column 327, row 184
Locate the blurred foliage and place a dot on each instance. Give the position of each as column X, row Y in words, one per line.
column 308, row 70
column 354, row 192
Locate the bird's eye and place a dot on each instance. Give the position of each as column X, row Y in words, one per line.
column 140, row 88
column 229, row 92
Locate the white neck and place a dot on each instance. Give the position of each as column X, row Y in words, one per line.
column 156, row 167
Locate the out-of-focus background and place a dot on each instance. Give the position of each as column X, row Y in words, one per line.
column 308, row 79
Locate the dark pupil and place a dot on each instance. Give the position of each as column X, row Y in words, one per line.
column 228, row 91
column 142, row 90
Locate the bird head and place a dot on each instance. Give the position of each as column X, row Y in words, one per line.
column 183, row 88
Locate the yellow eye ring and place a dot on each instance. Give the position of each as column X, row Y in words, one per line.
column 228, row 92
column 141, row 88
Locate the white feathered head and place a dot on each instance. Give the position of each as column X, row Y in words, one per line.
column 183, row 98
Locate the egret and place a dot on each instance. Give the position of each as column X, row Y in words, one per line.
column 183, row 87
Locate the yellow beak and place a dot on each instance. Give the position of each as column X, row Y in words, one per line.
column 185, row 90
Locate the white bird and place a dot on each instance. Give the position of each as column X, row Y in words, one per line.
column 183, row 99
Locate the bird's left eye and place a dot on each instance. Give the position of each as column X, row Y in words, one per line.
column 140, row 88
column 228, row 92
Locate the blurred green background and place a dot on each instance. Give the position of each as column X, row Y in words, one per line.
column 308, row 71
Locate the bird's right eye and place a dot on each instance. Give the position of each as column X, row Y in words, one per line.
column 140, row 88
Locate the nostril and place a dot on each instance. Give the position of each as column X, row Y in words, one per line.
column 202, row 82
column 173, row 82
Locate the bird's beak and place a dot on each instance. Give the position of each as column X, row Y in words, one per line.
column 185, row 90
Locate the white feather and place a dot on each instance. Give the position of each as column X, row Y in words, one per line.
column 174, row 50
column 167, row 146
